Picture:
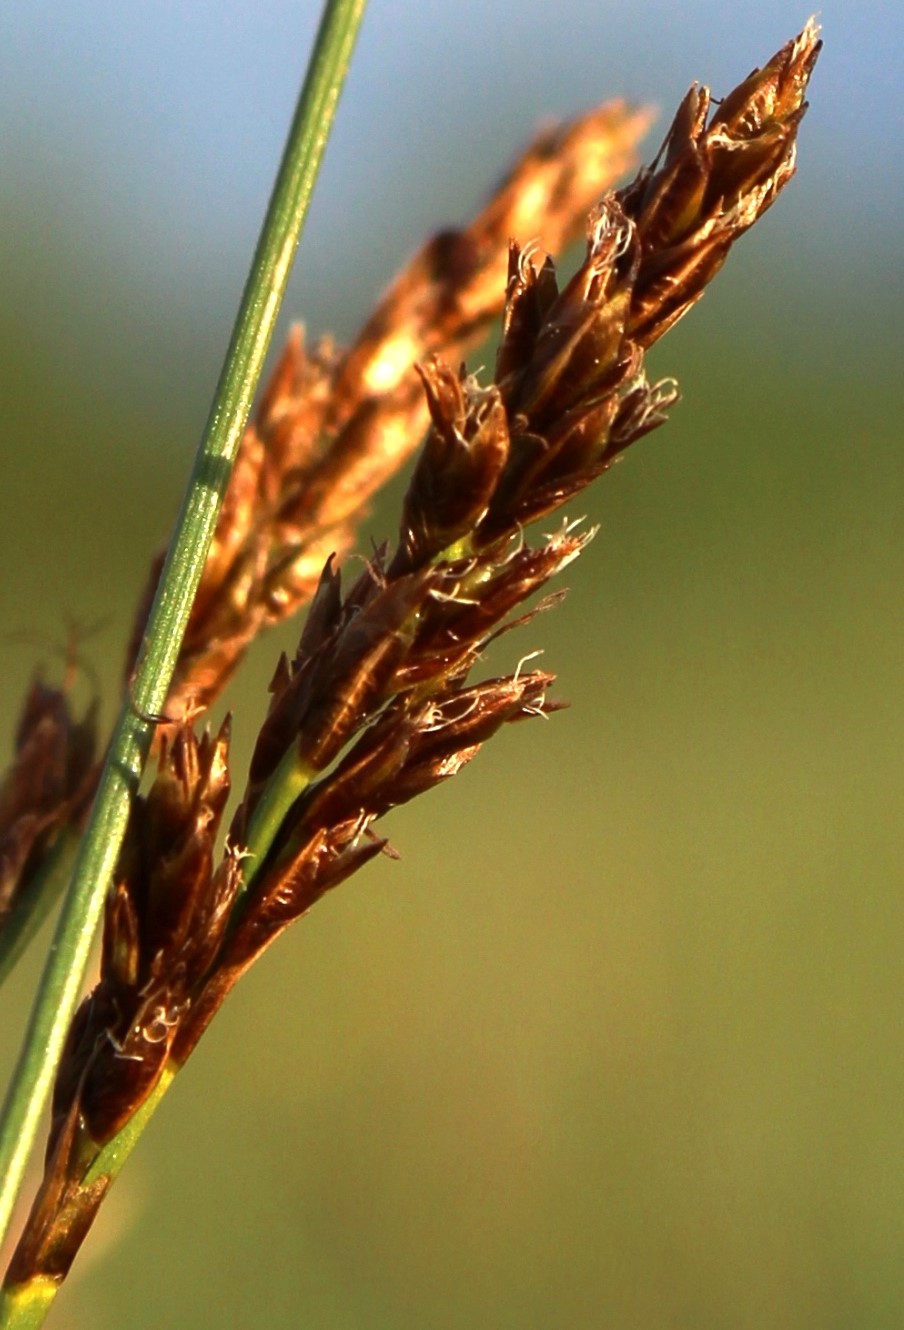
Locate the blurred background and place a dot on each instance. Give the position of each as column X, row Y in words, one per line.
column 618, row 1042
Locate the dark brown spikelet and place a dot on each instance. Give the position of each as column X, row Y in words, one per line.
column 712, row 181
column 165, row 918
column 47, row 789
column 333, row 427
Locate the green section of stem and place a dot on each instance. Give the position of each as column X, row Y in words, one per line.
column 115, row 1153
column 68, row 958
column 290, row 779
column 24, row 1306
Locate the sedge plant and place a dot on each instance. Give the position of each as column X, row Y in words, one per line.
column 383, row 698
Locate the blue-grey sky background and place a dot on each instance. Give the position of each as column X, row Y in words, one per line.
column 152, row 131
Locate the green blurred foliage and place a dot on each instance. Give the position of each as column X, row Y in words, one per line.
column 617, row 1043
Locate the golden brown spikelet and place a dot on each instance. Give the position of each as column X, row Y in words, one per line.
column 332, row 428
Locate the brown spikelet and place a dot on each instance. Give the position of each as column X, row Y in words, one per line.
column 380, row 674
column 164, row 921
column 165, row 918
column 331, row 428
column 713, row 181
column 48, row 788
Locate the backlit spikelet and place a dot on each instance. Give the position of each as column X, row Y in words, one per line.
column 332, row 426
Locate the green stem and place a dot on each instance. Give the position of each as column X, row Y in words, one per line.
column 287, row 783
column 68, row 958
column 25, row 1306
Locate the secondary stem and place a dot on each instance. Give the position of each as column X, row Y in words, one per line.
column 255, row 321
